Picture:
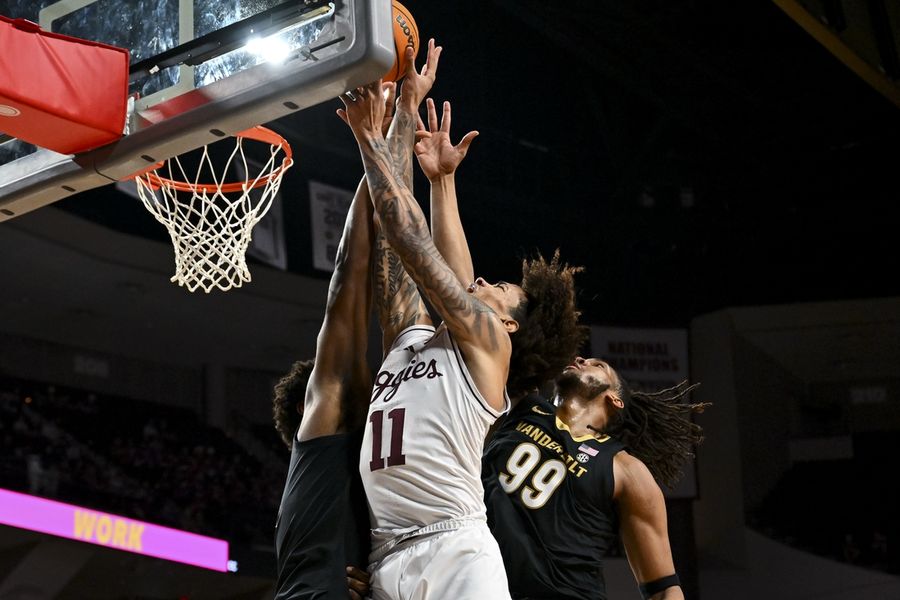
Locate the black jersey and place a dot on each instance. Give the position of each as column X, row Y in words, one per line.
column 323, row 522
column 549, row 503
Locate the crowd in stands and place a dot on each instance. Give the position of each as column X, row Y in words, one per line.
column 163, row 465
column 41, row 458
column 141, row 460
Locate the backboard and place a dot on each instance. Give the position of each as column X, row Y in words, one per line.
column 200, row 70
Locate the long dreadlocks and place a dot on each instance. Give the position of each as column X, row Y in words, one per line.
column 657, row 428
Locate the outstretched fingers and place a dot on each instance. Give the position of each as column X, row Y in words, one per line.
column 364, row 107
column 370, row 89
column 431, row 60
column 445, row 118
column 422, row 132
column 432, row 116
column 463, row 145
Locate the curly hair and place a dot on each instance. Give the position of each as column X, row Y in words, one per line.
column 656, row 427
column 549, row 334
column 287, row 405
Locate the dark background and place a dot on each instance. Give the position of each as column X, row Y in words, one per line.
column 790, row 156
column 692, row 155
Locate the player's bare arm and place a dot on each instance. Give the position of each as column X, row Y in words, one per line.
column 401, row 138
column 477, row 328
column 397, row 300
column 439, row 158
column 407, row 231
column 480, row 332
column 644, row 528
column 341, row 374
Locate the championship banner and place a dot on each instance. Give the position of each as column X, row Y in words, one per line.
column 649, row 360
column 112, row 531
column 328, row 207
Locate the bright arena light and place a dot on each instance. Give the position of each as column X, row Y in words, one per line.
column 272, row 49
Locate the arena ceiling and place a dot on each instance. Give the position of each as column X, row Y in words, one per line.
column 693, row 155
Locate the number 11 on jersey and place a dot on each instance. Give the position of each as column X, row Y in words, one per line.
column 396, row 456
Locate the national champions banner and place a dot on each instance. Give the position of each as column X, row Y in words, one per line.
column 649, row 360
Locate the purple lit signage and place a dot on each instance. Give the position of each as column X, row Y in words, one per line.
column 112, row 531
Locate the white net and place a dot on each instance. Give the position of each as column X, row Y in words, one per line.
column 211, row 225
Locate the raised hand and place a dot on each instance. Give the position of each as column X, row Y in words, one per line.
column 364, row 109
column 435, row 152
column 389, row 90
column 416, row 85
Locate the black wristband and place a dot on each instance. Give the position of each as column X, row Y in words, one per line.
column 658, row 585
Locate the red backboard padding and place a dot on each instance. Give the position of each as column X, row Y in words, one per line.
column 58, row 92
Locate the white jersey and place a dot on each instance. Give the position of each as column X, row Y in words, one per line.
column 421, row 452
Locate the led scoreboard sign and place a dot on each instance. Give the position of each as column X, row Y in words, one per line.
column 113, row 531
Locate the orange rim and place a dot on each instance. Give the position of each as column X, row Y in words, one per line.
column 258, row 134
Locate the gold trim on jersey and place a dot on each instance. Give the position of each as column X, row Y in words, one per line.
column 580, row 438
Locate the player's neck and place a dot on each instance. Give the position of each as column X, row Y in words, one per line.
column 583, row 416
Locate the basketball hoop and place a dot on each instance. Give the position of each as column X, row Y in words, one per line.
column 211, row 224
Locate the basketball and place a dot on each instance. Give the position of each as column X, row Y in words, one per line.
column 405, row 34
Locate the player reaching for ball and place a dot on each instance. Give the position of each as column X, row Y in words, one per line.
column 549, row 333
column 563, row 483
column 319, row 410
column 435, row 395
column 437, row 392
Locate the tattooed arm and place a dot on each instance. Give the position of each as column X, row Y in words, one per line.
column 480, row 332
column 397, row 298
column 337, row 394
